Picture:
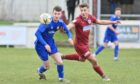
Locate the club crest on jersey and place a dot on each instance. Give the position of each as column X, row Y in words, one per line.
column 51, row 27
column 89, row 21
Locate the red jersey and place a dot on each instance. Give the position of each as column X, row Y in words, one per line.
column 82, row 29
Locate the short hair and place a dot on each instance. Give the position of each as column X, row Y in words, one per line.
column 118, row 8
column 57, row 8
column 84, row 5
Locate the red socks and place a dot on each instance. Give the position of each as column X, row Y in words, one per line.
column 77, row 57
column 72, row 57
column 99, row 70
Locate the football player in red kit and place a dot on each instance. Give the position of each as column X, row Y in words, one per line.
column 82, row 24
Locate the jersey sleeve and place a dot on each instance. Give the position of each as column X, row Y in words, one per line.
column 69, row 34
column 112, row 18
column 75, row 21
column 39, row 32
column 93, row 19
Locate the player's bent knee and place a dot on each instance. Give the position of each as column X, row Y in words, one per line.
column 105, row 46
column 82, row 60
column 116, row 43
column 87, row 54
column 95, row 63
column 47, row 67
column 59, row 62
column 92, row 60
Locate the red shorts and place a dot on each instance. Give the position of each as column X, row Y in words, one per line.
column 83, row 51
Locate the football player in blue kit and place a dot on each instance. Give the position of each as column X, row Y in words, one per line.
column 45, row 44
column 111, row 35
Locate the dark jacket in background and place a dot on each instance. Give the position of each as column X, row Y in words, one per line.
column 126, row 1
column 72, row 3
column 113, row 1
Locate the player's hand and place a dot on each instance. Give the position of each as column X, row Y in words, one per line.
column 117, row 32
column 48, row 48
column 71, row 42
column 61, row 29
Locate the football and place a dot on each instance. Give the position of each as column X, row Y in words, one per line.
column 45, row 18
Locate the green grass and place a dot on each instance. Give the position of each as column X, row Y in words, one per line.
column 18, row 66
column 6, row 22
column 60, row 36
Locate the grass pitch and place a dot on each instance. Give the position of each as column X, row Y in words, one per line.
column 18, row 66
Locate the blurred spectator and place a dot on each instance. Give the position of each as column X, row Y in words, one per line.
column 113, row 5
column 127, row 6
column 71, row 4
column 64, row 17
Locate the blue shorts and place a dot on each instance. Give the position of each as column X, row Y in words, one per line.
column 110, row 37
column 43, row 53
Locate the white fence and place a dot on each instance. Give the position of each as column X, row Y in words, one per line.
column 24, row 33
column 13, row 35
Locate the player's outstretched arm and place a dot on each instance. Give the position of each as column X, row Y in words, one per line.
column 106, row 22
column 69, row 34
column 70, row 26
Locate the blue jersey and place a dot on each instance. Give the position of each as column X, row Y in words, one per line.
column 109, row 34
column 46, row 32
column 112, row 18
column 45, row 35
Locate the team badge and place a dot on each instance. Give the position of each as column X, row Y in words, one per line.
column 89, row 21
column 51, row 27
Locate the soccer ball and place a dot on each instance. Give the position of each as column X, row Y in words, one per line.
column 45, row 18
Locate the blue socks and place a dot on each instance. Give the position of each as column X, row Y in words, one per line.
column 99, row 50
column 116, row 51
column 42, row 69
column 60, row 70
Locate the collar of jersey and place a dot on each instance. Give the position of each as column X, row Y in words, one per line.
column 83, row 18
column 54, row 21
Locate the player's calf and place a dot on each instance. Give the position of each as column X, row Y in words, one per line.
column 97, row 68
